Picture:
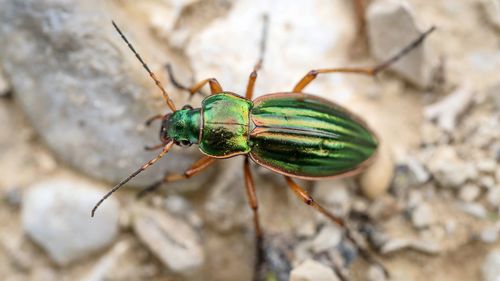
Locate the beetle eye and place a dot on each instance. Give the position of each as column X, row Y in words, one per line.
column 185, row 143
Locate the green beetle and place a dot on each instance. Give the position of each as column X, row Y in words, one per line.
column 291, row 133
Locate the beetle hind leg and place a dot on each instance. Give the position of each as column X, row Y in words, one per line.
column 304, row 196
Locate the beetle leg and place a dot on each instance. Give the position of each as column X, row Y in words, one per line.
column 372, row 71
column 197, row 167
column 178, row 84
column 252, row 202
column 304, row 195
column 260, row 61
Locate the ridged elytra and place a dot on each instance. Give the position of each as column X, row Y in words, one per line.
column 291, row 133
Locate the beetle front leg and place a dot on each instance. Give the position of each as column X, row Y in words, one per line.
column 252, row 202
column 197, row 167
column 260, row 61
column 371, row 71
column 304, row 195
column 215, row 87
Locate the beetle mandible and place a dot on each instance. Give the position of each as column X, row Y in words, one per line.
column 291, row 133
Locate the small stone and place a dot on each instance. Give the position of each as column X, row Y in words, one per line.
column 329, row 237
column 490, row 234
column 469, row 192
column 474, row 209
column 376, row 180
column 448, row 169
column 375, row 273
column 56, row 215
column 491, row 266
column 493, row 196
column 311, row 270
column 173, row 241
column 391, row 27
column 423, row 216
column 486, row 165
column 487, row 182
column 447, row 111
column 333, row 193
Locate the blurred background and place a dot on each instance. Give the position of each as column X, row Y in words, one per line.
column 73, row 101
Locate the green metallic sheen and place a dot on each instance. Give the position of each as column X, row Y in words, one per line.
column 306, row 136
column 184, row 125
column 225, row 125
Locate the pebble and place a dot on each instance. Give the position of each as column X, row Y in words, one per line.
column 108, row 262
column 487, row 182
column 448, row 169
column 56, row 215
column 334, row 193
column 173, row 241
column 375, row 273
column 469, row 192
column 490, row 234
column 491, row 266
column 376, row 180
column 311, row 270
column 423, row 246
column 329, row 237
column 486, row 165
column 447, row 111
column 474, row 209
column 494, row 93
column 493, row 197
column 391, row 27
column 423, row 216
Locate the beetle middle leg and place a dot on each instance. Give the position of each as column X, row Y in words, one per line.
column 304, row 195
column 252, row 202
column 197, row 167
column 371, row 71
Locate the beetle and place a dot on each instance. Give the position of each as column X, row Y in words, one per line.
column 294, row 134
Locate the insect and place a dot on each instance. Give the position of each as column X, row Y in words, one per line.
column 291, row 133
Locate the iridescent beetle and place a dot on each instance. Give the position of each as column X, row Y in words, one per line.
column 293, row 134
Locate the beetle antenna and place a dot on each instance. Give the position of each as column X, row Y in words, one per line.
column 167, row 99
column 166, row 148
column 263, row 42
column 404, row 51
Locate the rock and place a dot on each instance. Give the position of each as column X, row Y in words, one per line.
column 311, row 270
column 328, row 238
column 391, row 27
column 491, row 266
column 375, row 273
column 376, row 180
column 486, row 165
column 56, row 215
column 493, row 197
column 469, row 192
column 487, row 182
column 474, row 209
column 83, row 90
column 423, row 216
column 448, row 110
column 294, row 46
column 334, row 194
column 448, row 169
column 490, row 234
column 423, row 246
column 173, row 241
column 105, row 264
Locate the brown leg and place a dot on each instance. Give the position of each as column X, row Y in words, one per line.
column 260, row 61
column 372, row 71
column 304, row 195
column 214, row 85
column 197, row 167
column 252, row 201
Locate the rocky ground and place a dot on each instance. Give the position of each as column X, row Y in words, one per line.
column 73, row 100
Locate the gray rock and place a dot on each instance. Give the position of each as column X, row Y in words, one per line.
column 474, row 209
column 392, row 26
column 423, row 216
column 493, row 196
column 311, row 270
column 56, row 215
column 173, row 241
column 375, row 273
column 491, row 266
column 490, row 233
column 85, row 93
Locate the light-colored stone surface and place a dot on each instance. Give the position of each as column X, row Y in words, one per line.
column 491, row 266
column 376, row 180
column 56, row 215
column 312, row 271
